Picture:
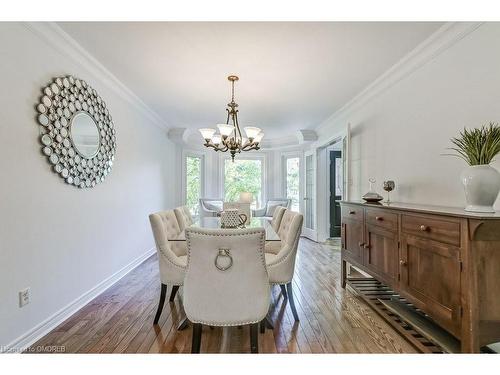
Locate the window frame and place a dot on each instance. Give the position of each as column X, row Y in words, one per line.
column 192, row 154
column 293, row 155
column 253, row 156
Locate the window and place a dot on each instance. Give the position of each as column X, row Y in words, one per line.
column 243, row 176
column 292, row 181
column 339, row 179
column 193, row 182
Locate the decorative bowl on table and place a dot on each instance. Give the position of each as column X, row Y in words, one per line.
column 372, row 196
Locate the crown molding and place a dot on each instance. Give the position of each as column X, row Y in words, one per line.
column 62, row 42
column 445, row 37
column 278, row 143
column 306, row 135
column 177, row 135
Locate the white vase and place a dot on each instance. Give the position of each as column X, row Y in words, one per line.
column 481, row 185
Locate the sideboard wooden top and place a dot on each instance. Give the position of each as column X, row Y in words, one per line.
column 423, row 208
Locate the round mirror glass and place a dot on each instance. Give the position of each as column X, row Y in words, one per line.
column 84, row 135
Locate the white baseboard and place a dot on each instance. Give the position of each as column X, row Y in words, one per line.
column 36, row 333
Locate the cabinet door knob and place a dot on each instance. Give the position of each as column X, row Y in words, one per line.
column 424, row 228
column 366, row 246
column 379, row 218
column 402, row 262
column 361, row 244
column 352, row 212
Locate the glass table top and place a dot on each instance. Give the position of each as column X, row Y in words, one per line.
column 214, row 223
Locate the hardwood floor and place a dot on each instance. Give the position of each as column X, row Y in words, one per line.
column 332, row 320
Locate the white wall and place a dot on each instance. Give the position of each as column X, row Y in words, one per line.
column 59, row 240
column 401, row 133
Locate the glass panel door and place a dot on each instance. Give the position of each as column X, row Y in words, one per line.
column 310, row 195
column 292, row 181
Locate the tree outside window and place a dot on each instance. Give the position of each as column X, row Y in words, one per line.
column 243, row 176
column 193, row 183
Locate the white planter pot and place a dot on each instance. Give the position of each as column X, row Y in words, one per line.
column 481, row 185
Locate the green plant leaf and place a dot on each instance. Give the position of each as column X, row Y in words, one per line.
column 477, row 146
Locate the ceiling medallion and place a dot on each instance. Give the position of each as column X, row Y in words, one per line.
column 230, row 137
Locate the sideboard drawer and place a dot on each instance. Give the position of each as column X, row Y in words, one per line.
column 353, row 212
column 382, row 218
column 437, row 228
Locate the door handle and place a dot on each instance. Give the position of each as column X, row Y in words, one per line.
column 402, row 262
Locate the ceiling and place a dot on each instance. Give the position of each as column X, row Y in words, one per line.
column 292, row 75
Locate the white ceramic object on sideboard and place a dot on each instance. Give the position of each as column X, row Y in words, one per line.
column 481, row 185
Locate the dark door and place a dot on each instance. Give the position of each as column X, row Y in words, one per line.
column 336, row 184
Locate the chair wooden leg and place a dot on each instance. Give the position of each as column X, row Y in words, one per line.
column 343, row 272
column 283, row 291
column 254, row 338
column 263, row 326
column 292, row 302
column 175, row 288
column 163, row 293
column 196, row 340
column 183, row 324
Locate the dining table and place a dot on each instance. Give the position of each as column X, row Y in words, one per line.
column 215, row 223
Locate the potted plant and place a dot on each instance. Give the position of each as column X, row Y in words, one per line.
column 481, row 182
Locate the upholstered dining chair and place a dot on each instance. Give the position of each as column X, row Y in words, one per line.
column 210, row 207
column 270, row 207
column 172, row 255
column 226, row 281
column 281, row 265
column 277, row 216
column 183, row 216
column 275, row 246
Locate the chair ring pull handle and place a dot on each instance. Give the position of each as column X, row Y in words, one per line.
column 223, row 253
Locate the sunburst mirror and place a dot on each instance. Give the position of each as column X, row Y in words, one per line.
column 78, row 136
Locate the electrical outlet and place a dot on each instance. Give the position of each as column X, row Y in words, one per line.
column 24, row 297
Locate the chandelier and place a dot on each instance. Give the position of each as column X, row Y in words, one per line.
column 229, row 137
